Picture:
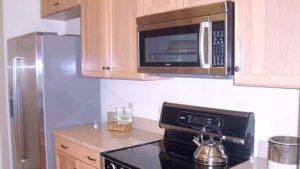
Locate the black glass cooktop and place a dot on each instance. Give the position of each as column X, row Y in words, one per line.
column 160, row 155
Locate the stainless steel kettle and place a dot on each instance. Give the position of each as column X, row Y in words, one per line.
column 210, row 152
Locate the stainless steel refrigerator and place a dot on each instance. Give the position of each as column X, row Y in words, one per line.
column 46, row 92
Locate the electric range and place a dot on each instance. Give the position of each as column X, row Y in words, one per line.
column 175, row 151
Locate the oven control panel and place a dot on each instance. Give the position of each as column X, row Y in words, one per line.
column 109, row 164
column 198, row 120
column 193, row 118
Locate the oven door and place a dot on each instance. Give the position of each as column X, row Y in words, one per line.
column 180, row 46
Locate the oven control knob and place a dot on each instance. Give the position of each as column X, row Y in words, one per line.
column 218, row 122
column 112, row 166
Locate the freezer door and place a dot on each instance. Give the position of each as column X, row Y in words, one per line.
column 24, row 115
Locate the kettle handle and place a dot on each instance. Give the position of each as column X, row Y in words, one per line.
column 215, row 128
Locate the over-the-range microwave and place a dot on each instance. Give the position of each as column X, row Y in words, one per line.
column 194, row 41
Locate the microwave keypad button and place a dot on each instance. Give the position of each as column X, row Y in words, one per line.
column 218, row 49
column 218, row 44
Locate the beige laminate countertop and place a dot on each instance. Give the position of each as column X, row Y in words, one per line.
column 257, row 163
column 101, row 139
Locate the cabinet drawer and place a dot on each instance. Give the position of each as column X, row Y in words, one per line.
column 78, row 151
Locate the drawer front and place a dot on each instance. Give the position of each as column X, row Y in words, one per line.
column 78, row 151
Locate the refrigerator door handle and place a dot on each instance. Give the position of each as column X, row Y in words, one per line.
column 17, row 112
column 11, row 107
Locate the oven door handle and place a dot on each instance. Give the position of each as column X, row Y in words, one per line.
column 203, row 25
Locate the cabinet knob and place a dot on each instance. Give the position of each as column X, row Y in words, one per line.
column 236, row 69
column 56, row 4
column 103, row 68
column 108, row 68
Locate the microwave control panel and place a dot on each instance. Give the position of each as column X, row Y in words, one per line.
column 218, row 44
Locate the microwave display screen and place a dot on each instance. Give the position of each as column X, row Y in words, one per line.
column 170, row 47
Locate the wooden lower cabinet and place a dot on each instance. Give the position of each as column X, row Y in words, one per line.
column 64, row 161
column 85, row 166
column 70, row 155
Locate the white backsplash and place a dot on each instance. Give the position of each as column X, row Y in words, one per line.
column 276, row 110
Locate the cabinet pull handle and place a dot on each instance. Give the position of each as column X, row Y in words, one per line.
column 92, row 159
column 56, row 4
column 108, row 68
column 104, row 68
column 63, row 146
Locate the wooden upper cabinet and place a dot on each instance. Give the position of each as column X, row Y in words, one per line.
column 267, row 43
column 193, row 3
column 50, row 6
column 60, row 9
column 158, row 6
column 123, row 38
column 69, row 3
column 108, row 36
column 94, row 38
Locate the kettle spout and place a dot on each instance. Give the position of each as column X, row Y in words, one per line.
column 196, row 141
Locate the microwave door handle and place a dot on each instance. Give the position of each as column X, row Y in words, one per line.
column 203, row 26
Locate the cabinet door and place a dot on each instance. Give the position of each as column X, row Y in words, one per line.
column 64, row 161
column 123, row 39
column 50, row 6
column 267, row 43
column 158, row 6
column 69, row 3
column 85, row 166
column 94, row 38
column 192, row 3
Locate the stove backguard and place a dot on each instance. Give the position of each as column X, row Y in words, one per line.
column 183, row 122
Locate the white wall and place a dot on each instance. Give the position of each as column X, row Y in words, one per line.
column 73, row 26
column 20, row 17
column 276, row 110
